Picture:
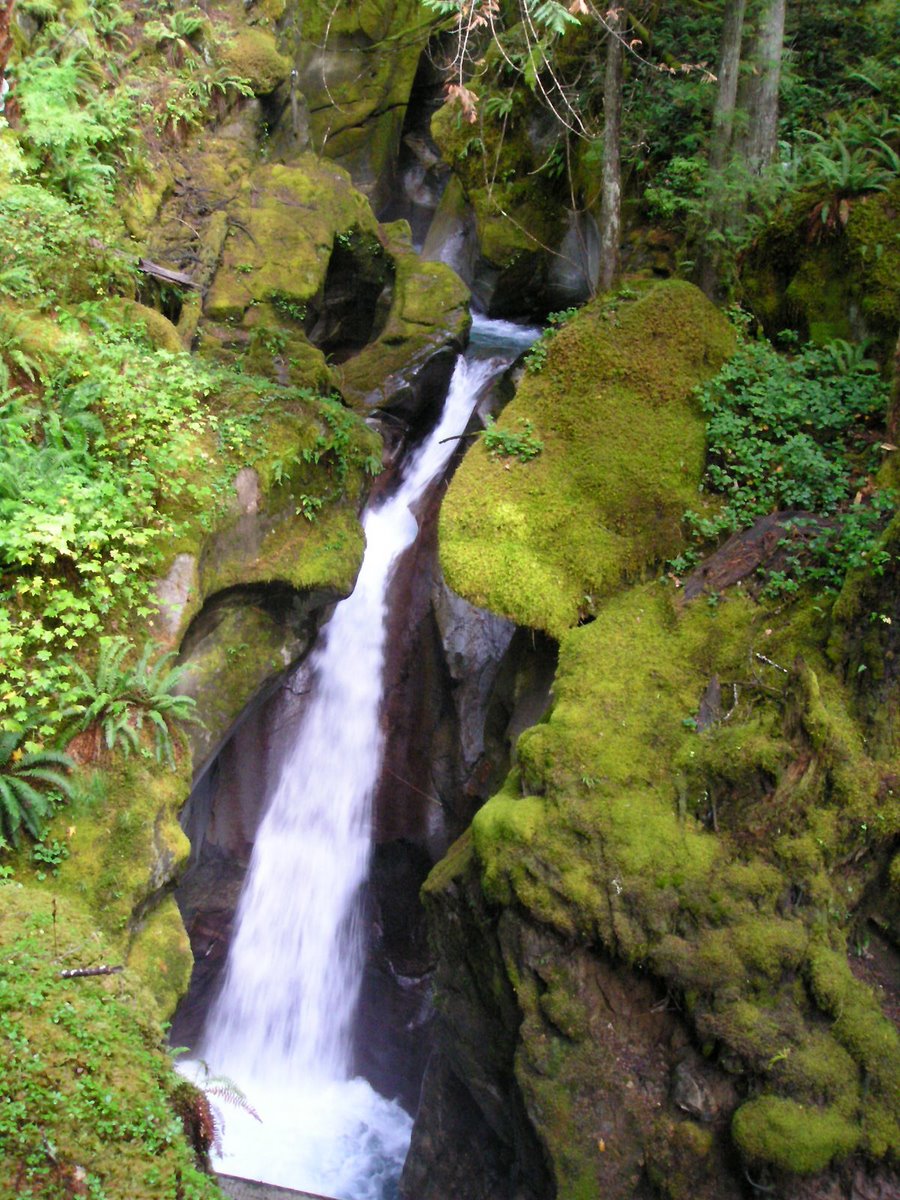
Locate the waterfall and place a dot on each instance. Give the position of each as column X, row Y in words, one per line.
column 280, row 1030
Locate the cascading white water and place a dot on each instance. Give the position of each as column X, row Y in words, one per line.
column 280, row 1029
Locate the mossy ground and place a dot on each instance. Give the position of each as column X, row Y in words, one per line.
column 86, row 1081
column 544, row 541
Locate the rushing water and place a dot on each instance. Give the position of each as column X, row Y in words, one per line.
column 280, row 1029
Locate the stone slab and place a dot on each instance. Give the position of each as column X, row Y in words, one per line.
column 250, row 1189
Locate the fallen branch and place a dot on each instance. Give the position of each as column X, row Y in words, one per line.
column 165, row 274
column 83, row 972
column 459, row 437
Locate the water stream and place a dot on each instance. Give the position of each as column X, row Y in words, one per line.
column 281, row 1026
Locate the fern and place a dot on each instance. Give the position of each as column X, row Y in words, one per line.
column 24, row 774
column 120, row 699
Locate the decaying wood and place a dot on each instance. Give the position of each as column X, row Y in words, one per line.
column 165, row 274
column 743, row 554
column 84, row 972
column 148, row 267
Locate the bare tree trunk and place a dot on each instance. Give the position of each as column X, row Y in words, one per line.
column 726, row 95
column 611, row 188
column 6, row 11
column 720, row 139
column 761, row 95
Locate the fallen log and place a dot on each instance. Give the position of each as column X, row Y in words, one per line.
column 148, row 267
column 165, row 274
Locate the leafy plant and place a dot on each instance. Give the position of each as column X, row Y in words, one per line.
column 537, row 354
column 504, row 443
column 26, row 771
column 119, row 698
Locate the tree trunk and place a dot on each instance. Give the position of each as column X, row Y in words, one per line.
column 761, row 93
column 726, row 95
column 720, row 140
column 611, row 193
column 6, row 11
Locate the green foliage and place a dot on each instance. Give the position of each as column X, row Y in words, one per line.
column 72, row 129
column 792, row 432
column 120, row 698
column 677, row 190
column 27, row 770
column 505, row 443
column 781, row 430
column 49, row 255
column 536, row 357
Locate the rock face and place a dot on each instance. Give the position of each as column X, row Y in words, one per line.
column 505, row 221
column 355, row 65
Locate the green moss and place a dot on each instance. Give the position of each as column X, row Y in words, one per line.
column 868, row 1035
column 160, row 954
column 543, row 542
column 251, row 54
column 246, row 648
column 874, row 249
column 819, row 294
column 791, row 1136
column 124, row 839
column 288, row 218
column 356, row 115
column 518, row 210
column 603, row 848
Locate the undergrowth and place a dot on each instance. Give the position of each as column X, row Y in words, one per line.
column 796, row 432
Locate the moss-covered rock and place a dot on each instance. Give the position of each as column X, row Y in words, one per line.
column 356, row 63
column 632, row 835
column 125, row 845
column 428, row 320
column 160, row 954
column 623, row 451
column 829, row 280
column 791, row 1136
column 281, row 248
column 253, row 55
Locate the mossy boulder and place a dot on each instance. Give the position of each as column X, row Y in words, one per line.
column 543, row 541
column 242, row 642
column 407, row 367
column 252, row 54
column 288, row 218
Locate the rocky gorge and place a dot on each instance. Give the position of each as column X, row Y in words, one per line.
column 634, row 890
